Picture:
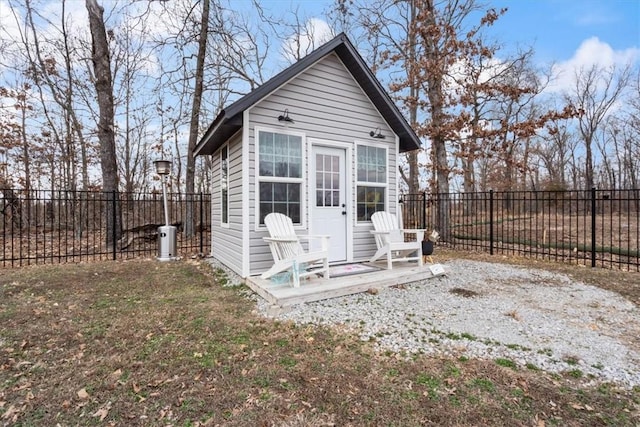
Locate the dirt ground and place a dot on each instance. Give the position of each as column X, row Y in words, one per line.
column 166, row 344
column 626, row 283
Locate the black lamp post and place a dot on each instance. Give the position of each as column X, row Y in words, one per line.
column 166, row 233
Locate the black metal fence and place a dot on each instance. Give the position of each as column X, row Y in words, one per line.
column 70, row 226
column 593, row 227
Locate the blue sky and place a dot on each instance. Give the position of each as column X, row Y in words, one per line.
column 556, row 29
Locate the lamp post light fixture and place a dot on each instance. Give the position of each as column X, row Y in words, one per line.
column 163, row 168
column 166, row 233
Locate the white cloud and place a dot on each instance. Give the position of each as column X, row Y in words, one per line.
column 9, row 33
column 593, row 15
column 315, row 33
column 9, row 25
column 592, row 52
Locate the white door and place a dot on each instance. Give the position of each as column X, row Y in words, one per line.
column 328, row 198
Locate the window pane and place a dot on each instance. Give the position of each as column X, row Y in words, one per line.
column 369, row 200
column 372, row 165
column 280, row 192
column 266, row 143
column 265, row 192
column 294, row 192
column 281, row 167
column 224, row 184
column 280, row 197
column 335, row 163
column 327, row 198
column 266, row 168
column 295, row 170
column 319, row 201
column 265, row 209
column 280, row 155
column 294, row 213
column 335, row 181
column 280, row 143
column 225, row 206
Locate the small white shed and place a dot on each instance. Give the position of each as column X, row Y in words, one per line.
column 318, row 142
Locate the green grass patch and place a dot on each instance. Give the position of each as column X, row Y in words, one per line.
column 506, row 363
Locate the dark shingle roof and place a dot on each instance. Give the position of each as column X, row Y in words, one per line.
column 229, row 121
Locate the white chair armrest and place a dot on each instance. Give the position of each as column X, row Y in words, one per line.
column 316, row 236
column 324, row 239
column 280, row 239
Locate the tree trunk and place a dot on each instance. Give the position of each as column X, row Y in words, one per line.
column 588, row 175
column 189, row 228
column 104, row 90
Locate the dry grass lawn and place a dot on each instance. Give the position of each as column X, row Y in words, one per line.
column 158, row 344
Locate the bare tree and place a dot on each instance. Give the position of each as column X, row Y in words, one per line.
column 60, row 84
column 194, row 125
column 593, row 96
column 101, row 57
column 390, row 32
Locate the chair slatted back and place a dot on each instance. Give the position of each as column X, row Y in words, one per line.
column 388, row 222
column 281, row 226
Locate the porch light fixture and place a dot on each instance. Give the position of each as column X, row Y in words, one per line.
column 166, row 233
column 376, row 134
column 284, row 117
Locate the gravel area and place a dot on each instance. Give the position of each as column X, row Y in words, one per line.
column 489, row 311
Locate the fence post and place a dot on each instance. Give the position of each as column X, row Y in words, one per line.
column 424, row 210
column 593, row 227
column 490, row 222
column 201, row 223
column 114, row 231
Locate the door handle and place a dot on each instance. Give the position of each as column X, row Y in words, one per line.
column 344, row 212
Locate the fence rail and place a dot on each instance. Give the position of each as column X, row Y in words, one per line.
column 45, row 226
column 594, row 227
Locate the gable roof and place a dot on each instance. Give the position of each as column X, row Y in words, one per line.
column 229, row 120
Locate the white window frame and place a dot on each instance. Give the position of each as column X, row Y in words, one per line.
column 259, row 179
column 359, row 183
column 225, row 148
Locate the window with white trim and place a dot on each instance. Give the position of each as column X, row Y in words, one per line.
column 224, row 184
column 371, row 181
column 279, row 175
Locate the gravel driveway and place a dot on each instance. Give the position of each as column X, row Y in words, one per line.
column 485, row 310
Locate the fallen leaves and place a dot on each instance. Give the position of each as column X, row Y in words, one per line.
column 102, row 412
column 12, row 413
column 581, row 407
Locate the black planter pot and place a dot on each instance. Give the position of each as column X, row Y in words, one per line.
column 427, row 247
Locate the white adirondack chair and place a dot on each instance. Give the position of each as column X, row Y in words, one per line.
column 390, row 240
column 288, row 253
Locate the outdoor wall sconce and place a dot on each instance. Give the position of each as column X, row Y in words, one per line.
column 284, row 117
column 376, row 134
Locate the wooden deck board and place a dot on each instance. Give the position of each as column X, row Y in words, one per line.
column 318, row 288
